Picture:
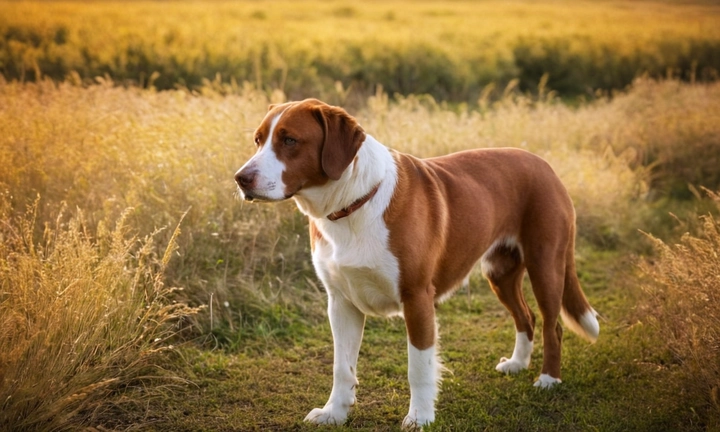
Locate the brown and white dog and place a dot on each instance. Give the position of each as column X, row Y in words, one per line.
column 392, row 234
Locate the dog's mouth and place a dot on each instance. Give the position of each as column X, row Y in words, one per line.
column 255, row 198
column 252, row 194
column 247, row 196
column 250, row 197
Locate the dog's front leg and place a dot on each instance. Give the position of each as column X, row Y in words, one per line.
column 424, row 367
column 347, row 323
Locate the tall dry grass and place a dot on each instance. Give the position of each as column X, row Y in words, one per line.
column 105, row 149
column 85, row 316
column 667, row 130
column 684, row 292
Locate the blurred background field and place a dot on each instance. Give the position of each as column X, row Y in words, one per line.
column 121, row 121
column 450, row 50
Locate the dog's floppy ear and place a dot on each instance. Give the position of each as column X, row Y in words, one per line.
column 343, row 137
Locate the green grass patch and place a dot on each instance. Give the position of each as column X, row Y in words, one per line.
column 623, row 382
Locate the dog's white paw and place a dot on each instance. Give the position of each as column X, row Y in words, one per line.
column 510, row 366
column 520, row 358
column 326, row 416
column 414, row 422
column 546, row 381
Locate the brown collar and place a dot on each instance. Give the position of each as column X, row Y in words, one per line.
column 347, row 211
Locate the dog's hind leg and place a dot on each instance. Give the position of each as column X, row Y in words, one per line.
column 546, row 268
column 504, row 270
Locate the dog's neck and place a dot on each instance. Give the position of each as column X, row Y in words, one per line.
column 371, row 166
column 356, row 205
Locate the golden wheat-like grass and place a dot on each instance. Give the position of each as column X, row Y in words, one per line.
column 448, row 49
column 684, row 292
column 83, row 316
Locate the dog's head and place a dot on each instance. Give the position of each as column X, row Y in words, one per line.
column 299, row 145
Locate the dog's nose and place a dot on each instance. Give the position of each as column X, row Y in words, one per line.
column 245, row 179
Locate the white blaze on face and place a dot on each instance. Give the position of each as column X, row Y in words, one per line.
column 268, row 168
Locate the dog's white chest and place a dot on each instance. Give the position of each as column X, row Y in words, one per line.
column 360, row 267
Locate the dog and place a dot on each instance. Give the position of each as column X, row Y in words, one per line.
column 392, row 234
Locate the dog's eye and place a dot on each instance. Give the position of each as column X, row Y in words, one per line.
column 290, row 141
column 257, row 141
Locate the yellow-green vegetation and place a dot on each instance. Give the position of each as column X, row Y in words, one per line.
column 85, row 306
column 450, row 50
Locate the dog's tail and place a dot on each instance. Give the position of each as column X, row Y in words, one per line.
column 576, row 312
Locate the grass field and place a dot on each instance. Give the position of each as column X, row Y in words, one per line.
column 138, row 292
column 257, row 355
column 450, row 50
column 619, row 384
